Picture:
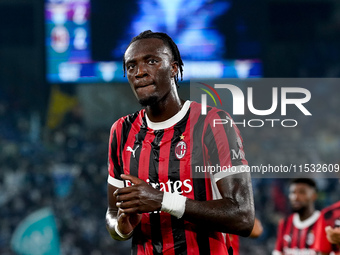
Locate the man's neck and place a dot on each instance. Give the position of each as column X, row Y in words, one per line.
column 164, row 109
column 305, row 214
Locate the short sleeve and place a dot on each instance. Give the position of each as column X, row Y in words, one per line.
column 224, row 146
column 114, row 167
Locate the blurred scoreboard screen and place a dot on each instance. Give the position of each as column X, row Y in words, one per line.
column 68, row 41
column 85, row 40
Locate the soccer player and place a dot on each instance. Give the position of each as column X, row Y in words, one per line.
column 152, row 193
column 328, row 230
column 296, row 233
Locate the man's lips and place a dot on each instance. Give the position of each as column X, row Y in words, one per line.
column 296, row 204
column 143, row 85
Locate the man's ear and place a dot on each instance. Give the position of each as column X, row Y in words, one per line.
column 174, row 70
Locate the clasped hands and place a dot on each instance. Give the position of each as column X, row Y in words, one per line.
column 134, row 200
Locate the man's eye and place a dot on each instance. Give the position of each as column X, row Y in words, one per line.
column 152, row 61
column 130, row 66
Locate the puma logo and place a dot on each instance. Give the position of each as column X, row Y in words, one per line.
column 131, row 150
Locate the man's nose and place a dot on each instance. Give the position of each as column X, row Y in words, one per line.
column 141, row 71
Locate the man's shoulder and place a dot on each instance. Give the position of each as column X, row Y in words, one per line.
column 127, row 119
column 287, row 219
column 329, row 209
column 211, row 110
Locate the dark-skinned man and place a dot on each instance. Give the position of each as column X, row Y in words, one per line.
column 296, row 233
column 154, row 193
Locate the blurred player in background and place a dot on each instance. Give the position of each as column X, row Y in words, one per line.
column 328, row 230
column 296, row 233
column 166, row 210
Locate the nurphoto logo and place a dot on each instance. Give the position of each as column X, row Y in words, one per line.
column 295, row 96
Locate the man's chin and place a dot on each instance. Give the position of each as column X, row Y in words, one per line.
column 298, row 210
column 150, row 101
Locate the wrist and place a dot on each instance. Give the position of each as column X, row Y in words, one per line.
column 174, row 204
column 120, row 234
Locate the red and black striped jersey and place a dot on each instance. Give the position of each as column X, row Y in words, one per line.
column 235, row 243
column 295, row 237
column 172, row 156
column 330, row 216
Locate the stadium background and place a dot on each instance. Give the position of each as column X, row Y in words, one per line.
column 53, row 135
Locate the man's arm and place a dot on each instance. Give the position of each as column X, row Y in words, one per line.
column 118, row 224
column 126, row 222
column 234, row 213
column 111, row 213
column 257, row 229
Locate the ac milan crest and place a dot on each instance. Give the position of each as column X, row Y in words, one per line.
column 180, row 149
column 310, row 238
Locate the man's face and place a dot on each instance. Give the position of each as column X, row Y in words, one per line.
column 301, row 195
column 150, row 70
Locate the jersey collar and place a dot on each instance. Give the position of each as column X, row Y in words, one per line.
column 169, row 122
column 306, row 223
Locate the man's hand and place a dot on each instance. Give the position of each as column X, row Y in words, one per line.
column 138, row 198
column 333, row 234
column 127, row 222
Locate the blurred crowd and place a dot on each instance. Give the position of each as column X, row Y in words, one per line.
column 66, row 169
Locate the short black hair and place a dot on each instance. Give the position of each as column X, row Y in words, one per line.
column 310, row 182
column 167, row 41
